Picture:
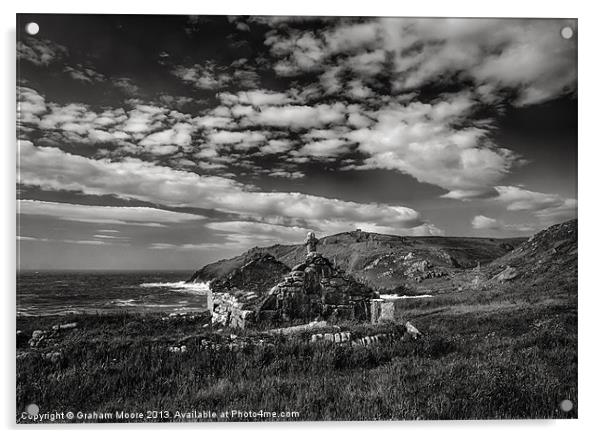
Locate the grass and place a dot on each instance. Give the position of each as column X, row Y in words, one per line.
column 507, row 352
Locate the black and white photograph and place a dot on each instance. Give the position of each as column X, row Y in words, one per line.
column 253, row 218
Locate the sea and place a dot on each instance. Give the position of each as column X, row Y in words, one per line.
column 77, row 292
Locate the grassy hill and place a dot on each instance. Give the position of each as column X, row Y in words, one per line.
column 381, row 261
column 498, row 350
column 550, row 255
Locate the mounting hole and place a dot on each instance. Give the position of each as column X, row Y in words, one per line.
column 566, row 33
column 32, row 28
column 566, row 405
column 32, row 409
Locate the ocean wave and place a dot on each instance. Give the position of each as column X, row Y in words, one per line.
column 200, row 288
column 404, row 297
column 124, row 303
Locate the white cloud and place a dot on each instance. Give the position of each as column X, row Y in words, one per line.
column 144, row 128
column 127, row 86
column 86, row 242
column 30, row 106
column 144, row 119
column 276, row 146
column 53, row 169
column 286, row 174
column 297, row 116
column 167, row 141
column 528, row 56
column 246, row 138
column 39, row 51
column 481, row 222
column 519, row 199
column 324, row 148
column 426, row 142
column 249, row 234
column 255, row 98
column 84, row 74
column 207, row 76
column 548, row 208
column 31, row 239
column 144, row 216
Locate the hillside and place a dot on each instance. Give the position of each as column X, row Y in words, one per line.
column 258, row 273
column 548, row 256
column 382, row 261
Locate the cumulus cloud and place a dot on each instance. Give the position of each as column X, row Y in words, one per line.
column 255, row 98
column 84, row 74
column 53, row 169
column 527, row 56
column 140, row 129
column 126, row 85
column 245, row 139
column 297, row 116
column 167, row 141
column 481, row 222
column 324, row 148
column 40, row 52
column 207, row 76
column 428, row 142
column 286, row 174
column 276, row 146
column 549, row 208
column 30, row 105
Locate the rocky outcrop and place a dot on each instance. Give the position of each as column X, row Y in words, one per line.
column 381, row 261
column 316, row 289
column 548, row 257
column 506, row 275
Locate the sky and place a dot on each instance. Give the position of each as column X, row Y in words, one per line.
column 168, row 142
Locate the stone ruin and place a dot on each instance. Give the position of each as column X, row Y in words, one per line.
column 316, row 289
column 312, row 290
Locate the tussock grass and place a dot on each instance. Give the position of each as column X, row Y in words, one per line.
column 509, row 352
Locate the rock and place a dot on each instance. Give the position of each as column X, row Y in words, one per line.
column 319, row 290
column 506, row 275
column 67, row 326
column 177, row 349
column 54, row 356
column 299, row 267
column 411, row 330
column 38, row 338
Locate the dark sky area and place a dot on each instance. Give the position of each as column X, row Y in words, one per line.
column 167, row 142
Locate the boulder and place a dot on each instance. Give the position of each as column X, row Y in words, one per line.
column 411, row 330
column 506, row 275
column 68, row 326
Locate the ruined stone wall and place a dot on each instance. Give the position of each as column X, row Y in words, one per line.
column 313, row 289
column 383, row 310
